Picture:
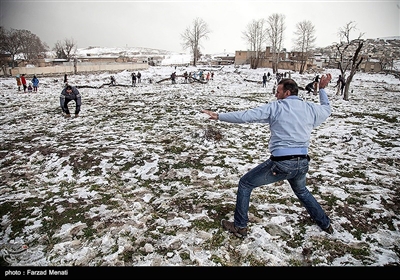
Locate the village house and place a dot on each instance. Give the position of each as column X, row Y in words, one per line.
column 287, row 60
column 291, row 61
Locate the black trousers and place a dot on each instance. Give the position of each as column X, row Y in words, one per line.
column 77, row 108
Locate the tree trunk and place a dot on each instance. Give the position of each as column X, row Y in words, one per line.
column 347, row 86
column 302, row 66
column 356, row 62
column 254, row 63
column 75, row 66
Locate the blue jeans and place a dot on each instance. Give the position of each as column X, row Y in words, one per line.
column 293, row 170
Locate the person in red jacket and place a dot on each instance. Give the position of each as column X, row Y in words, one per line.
column 23, row 81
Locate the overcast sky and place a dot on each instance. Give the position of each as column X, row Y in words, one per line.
column 159, row 24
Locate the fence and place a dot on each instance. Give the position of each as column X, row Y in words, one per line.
column 70, row 69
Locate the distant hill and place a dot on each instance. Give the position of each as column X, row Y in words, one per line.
column 375, row 47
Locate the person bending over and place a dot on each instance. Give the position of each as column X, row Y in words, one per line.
column 68, row 94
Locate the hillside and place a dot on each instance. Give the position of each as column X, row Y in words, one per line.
column 374, row 48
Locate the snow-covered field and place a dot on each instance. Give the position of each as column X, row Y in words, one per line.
column 140, row 178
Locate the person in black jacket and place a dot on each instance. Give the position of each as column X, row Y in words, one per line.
column 133, row 79
column 68, row 94
column 264, row 80
column 340, row 84
column 112, row 81
column 310, row 87
column 173, row 78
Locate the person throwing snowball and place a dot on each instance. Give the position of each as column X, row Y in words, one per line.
column 291, row 121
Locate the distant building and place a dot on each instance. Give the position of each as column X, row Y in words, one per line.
column 287, row 60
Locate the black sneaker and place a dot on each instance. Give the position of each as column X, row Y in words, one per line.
column 238, row 232
column 329, row 229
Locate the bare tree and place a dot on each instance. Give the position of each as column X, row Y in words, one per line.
column 349, row 56
column 3, row 58
column 11, row 43
column 32, row 47
column 65, row 49
column 59, row 50
column 193, row 35
column 14, row 42
column 70, row 47
column 255, row 35
column 3, row 39
column 276, row 27
column 304, row 41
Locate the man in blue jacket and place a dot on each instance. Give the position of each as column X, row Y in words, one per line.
column 291, row 121
column 68, row 94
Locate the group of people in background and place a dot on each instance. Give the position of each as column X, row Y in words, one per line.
column 70, row 93
column 265, row 79
column 32, row 87
column 314, row 85
column 201, row 75
column 340, row 84
column 136, row 78
column 311, row 87
column 204, row 76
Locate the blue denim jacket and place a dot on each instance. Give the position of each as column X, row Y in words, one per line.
column 291, row 121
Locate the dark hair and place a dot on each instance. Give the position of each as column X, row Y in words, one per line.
column 68, row 87
column 290, row 85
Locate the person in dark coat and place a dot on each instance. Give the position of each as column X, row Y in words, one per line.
column 68, row 94
column 310, row 87
column 264, row 80
column 316, row 84
column 112, row 81
column 133, row 79
column 340, row 84
column 173, row 78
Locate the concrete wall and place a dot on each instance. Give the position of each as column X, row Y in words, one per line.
column 81, row 68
